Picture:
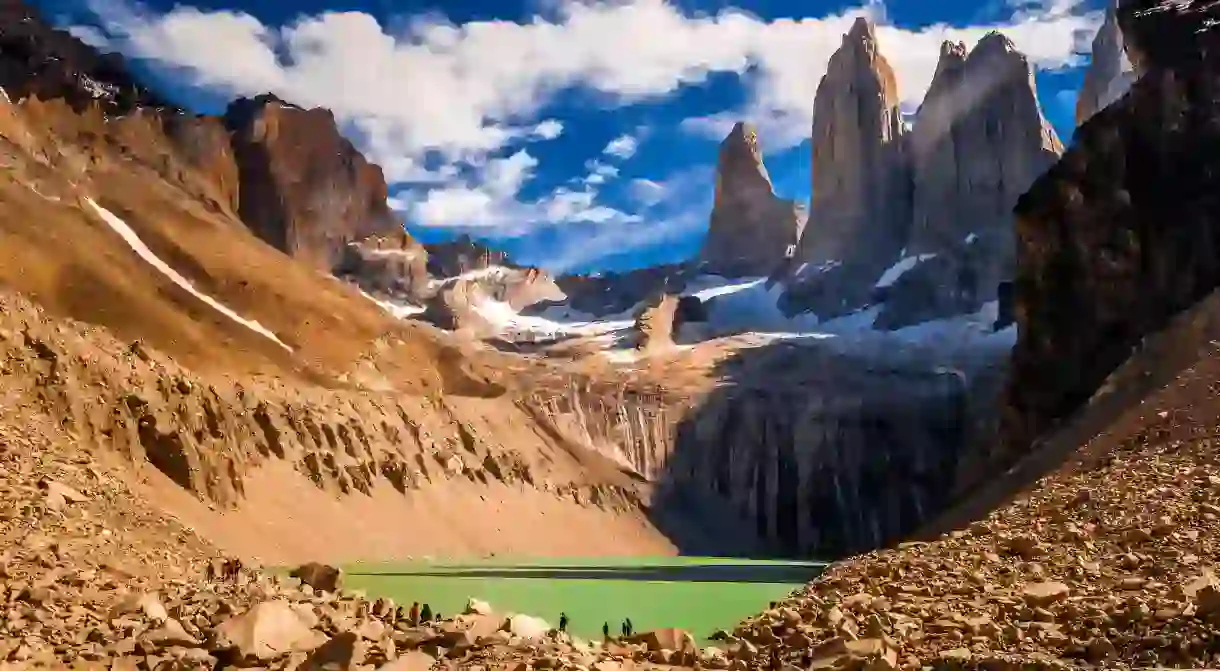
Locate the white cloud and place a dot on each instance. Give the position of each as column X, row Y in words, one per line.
column 623, row 146
column 598, row 173
column 435, row 93
column 646, row 191
column 548, row 129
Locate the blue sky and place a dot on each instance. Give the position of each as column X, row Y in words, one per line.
column 577, row 134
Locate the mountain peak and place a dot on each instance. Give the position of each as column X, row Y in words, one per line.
column 862, row 29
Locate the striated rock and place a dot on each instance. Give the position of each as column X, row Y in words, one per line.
column 203, row 143
column 1109, row 74
column 1121, row 234
column 751, row 229
column 859, row 212
column 305, row 189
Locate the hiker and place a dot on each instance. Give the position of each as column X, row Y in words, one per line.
column 630, row 627
column 563, row 622
column 425, row 615
column 413, row 614
column 606, row 631
column 623, row 628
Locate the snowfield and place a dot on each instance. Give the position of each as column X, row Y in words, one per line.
column 137, row 245
column 747, row 310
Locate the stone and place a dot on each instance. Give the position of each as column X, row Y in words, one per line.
column 268, row 630
column 170, row 633
column 1045, row 593
column 677, row 640
column 318, row 576
column 752, row 230
column 414, row 660
column 526, row 626
column 477, row 607
column 340, row 653
column 147, row 603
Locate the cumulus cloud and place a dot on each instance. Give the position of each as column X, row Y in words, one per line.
column 431, row 100
column 623, row 146
column 548, row 129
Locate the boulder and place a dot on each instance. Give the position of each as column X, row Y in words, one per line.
column 318, row 576
column 268, row 630
column 526, row 626
column 477, row 607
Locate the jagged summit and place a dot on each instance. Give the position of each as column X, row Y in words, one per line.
column 863, row 28
column 856, row 209
column 751, row 228
column 1109, row 74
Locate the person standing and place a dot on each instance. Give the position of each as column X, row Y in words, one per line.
column 413, row 614
column 606, row 631
column 563, row 622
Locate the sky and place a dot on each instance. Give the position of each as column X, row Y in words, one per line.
column 578, row 135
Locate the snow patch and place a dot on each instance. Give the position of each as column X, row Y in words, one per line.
column 396, row 310
column 516, row 326
column 490, row 272
column 899, row 269
column 971, row 238
column 137, row 245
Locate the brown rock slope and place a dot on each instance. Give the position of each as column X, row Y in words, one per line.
column 212, row 413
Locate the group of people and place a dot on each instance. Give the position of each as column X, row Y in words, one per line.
column 626, row 628
column 417, row 614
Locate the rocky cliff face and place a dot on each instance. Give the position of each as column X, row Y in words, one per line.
column 387, row 265
column 463, row 255
column 1122, row 233
column 801, row 453
column 38, row 60
column 859, row 211
column 751, row 229
column 304, row 188
column 979, row 140
column 1110, row 73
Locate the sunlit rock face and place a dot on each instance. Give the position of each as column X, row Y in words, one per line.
column 751, row 229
